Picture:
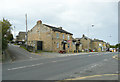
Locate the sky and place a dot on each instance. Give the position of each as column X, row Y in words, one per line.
column 75, row 16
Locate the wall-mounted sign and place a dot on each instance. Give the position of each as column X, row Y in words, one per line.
column 100, row 44
column 68, row 41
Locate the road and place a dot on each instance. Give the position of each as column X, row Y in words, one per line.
column 34, row 67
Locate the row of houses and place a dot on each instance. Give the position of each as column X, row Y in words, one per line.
column 49, row 38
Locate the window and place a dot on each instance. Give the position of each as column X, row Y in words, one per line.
column 73, row 43
column 63, row 36
column 57, row 45
column 68, row 37
column 57, row 35
column 33, row 43
column 68, row 45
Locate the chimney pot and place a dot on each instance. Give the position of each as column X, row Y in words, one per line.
column 60, row 27
column 83, row 35
column 39, row 22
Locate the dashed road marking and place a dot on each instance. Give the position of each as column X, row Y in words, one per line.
column 54, row 61
column 105, row 59
column 25, row 66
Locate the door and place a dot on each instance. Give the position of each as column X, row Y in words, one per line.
column 77, row 46
column 63, row 46
column 39, row 45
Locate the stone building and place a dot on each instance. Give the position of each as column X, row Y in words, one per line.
column 98, row 45
column 20, row 37
column 86, row 43
column 77, row 46
column 95, row 45
column 48, row 38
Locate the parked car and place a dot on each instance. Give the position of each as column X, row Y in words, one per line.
column 62, row 51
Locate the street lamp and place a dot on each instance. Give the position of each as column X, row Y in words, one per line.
column 88, row 36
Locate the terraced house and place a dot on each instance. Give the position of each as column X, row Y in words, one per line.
column 21, row 37
column 87, row 43
column 99, row 45
column 48, row 38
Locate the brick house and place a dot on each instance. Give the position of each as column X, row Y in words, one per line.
column 48, row 38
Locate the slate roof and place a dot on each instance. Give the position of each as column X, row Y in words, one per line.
column 58, row 29
column 22, row 32
column 83, row 37
column 97, row 40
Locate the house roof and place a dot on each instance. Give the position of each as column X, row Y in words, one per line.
column 22, row 32
column 97, row 40
column 58, row 29
column 83, row 37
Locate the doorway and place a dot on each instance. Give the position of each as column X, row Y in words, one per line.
column 39, row 45
column 77, row 46
column 63, row 46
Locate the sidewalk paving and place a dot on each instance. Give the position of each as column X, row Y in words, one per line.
column 55, row 54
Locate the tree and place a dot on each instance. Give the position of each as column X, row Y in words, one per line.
column 112, row 46
column 6, row 33
column 9, row 37
column 117, row 45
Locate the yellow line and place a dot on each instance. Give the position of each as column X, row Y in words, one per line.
column 80, row 78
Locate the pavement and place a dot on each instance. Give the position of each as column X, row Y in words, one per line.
column 29, row 66
column 17, row 54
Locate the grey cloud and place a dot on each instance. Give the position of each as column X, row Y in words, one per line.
column 73, row 16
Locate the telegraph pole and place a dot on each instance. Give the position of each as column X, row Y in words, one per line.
column 26, row 31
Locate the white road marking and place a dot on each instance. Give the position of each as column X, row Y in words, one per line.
column 105, row 59
column 54, row 61
column 25, row 66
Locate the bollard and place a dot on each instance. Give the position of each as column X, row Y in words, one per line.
column 77, row 51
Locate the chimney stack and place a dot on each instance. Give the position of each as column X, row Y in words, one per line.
column 60, row 27
column 39, row 22
column 83, row 35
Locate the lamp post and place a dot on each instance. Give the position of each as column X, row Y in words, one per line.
column 88, row 36
column 110, row 36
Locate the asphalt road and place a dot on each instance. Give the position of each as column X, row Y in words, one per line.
column 60, row 68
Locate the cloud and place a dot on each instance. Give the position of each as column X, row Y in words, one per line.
column 75, row 16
